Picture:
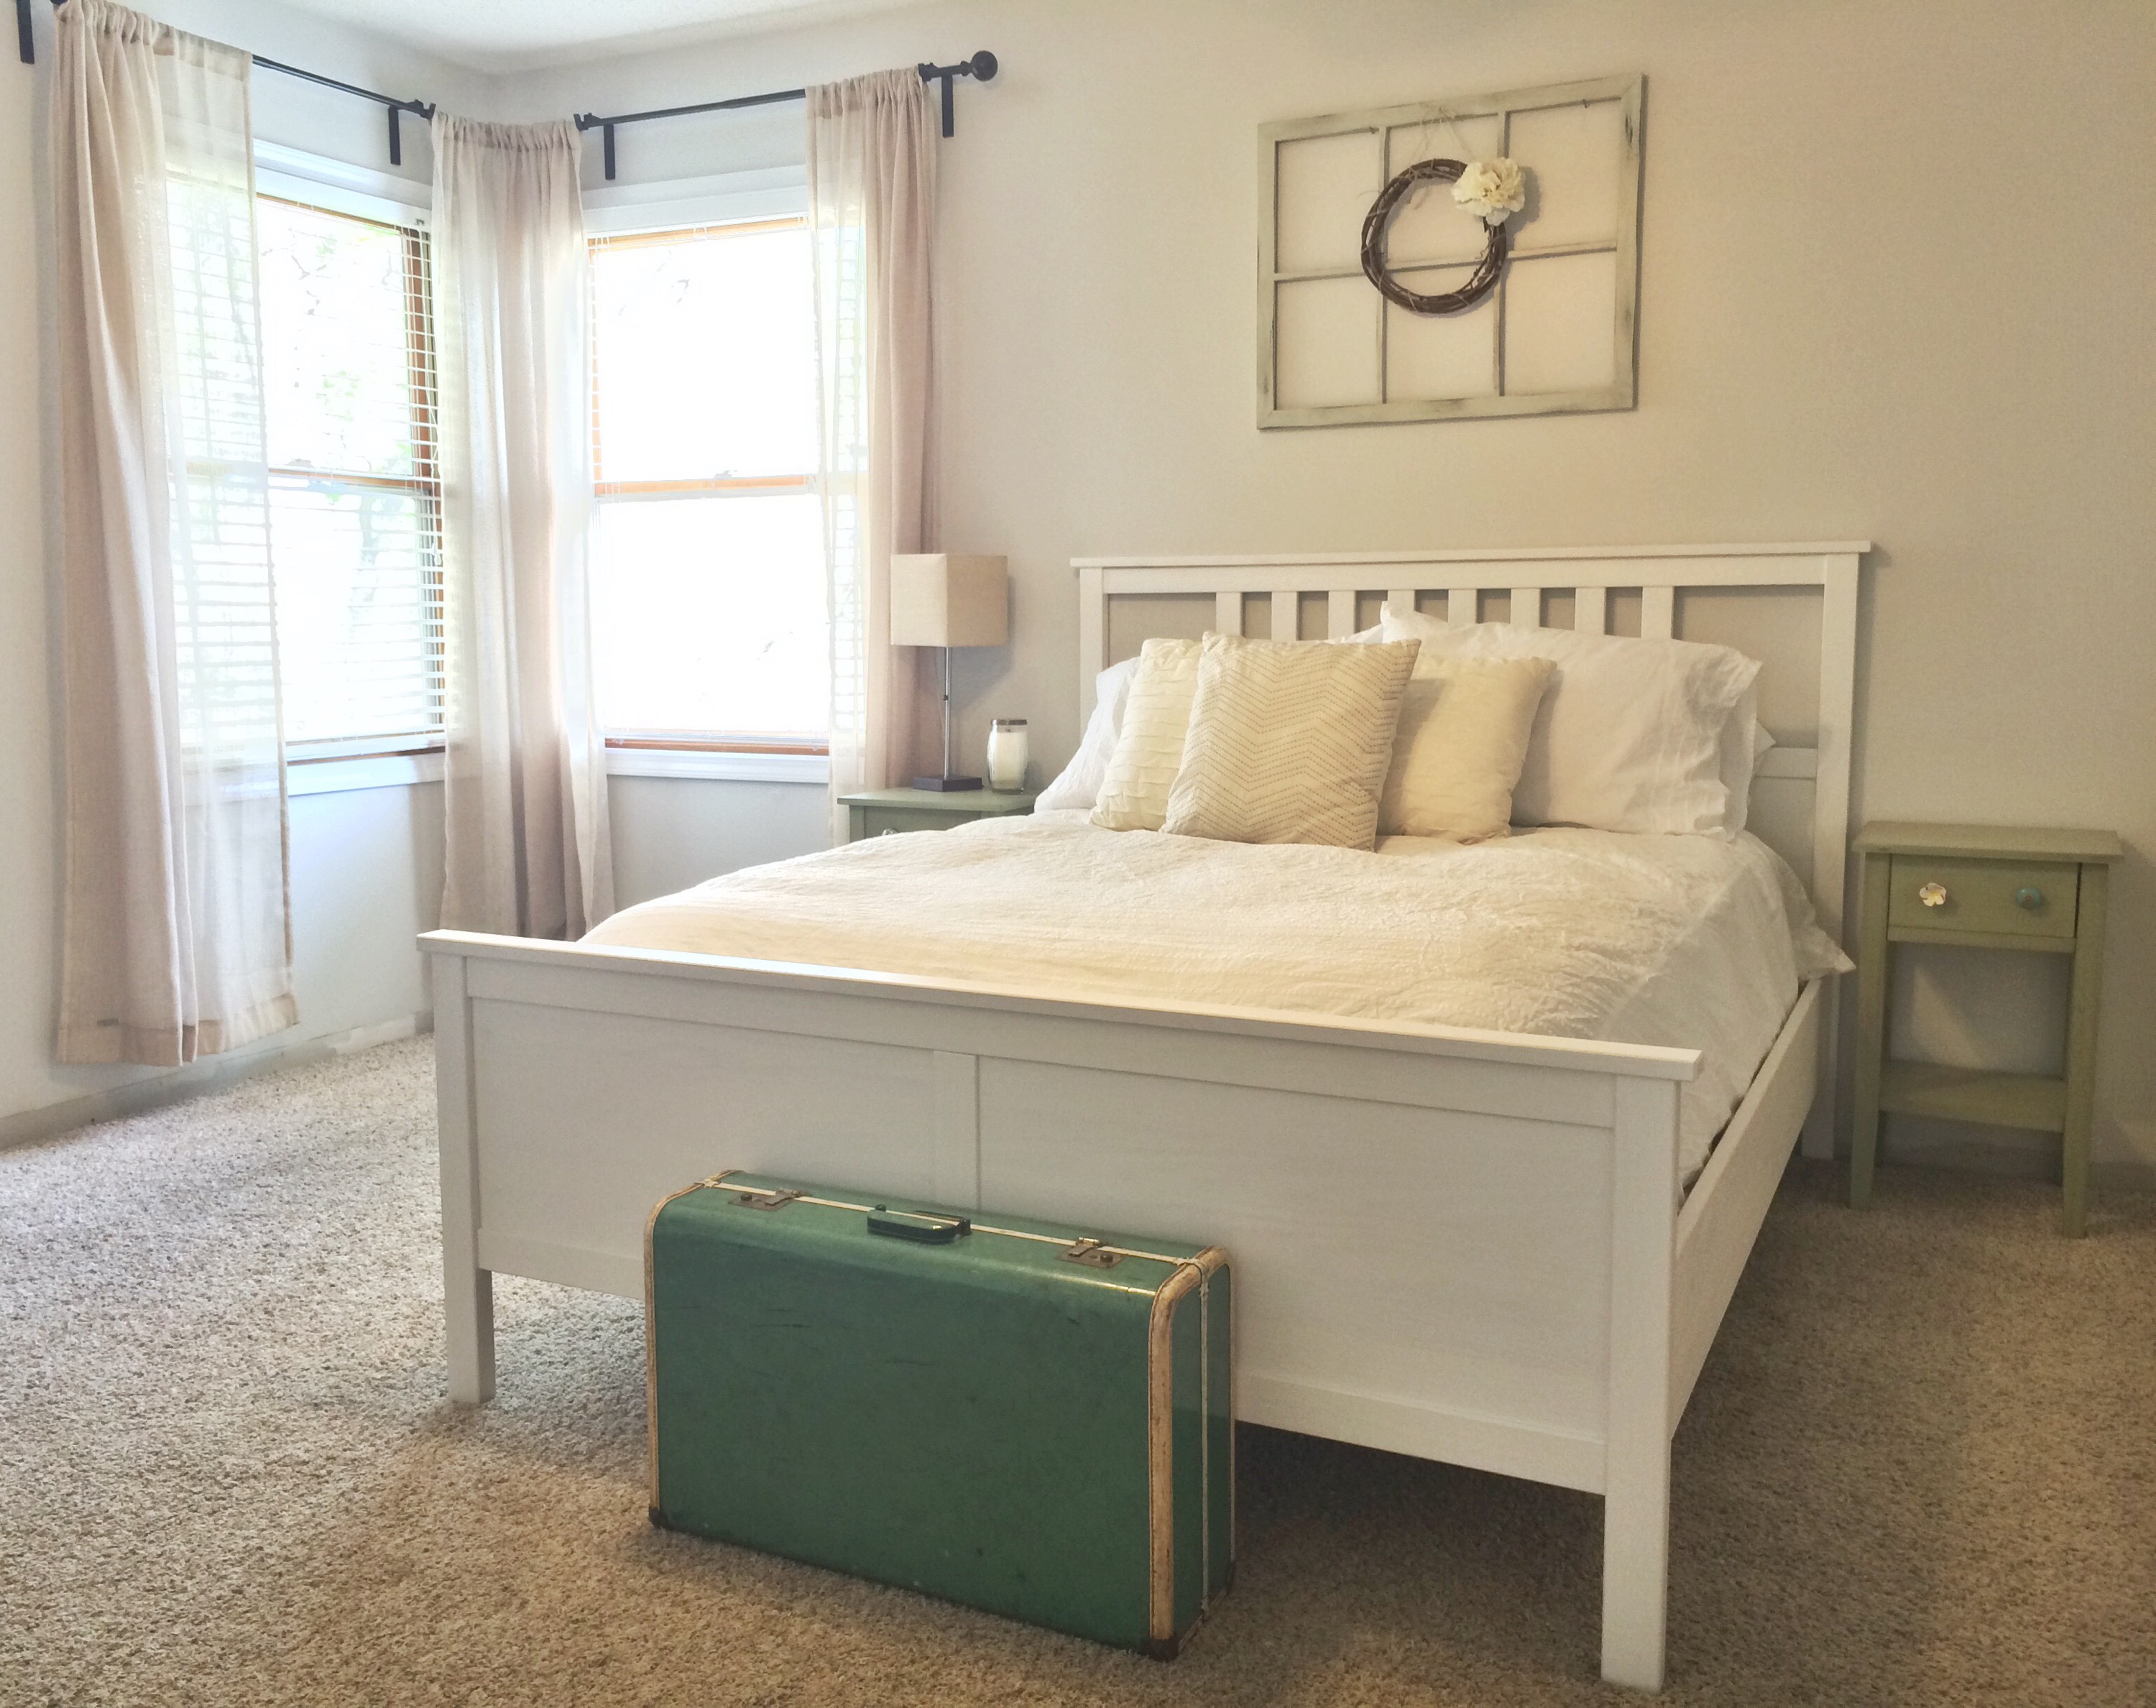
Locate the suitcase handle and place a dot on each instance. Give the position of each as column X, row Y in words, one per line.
column 924, row 1230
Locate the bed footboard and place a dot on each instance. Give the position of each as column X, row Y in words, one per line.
column 1457, row 1244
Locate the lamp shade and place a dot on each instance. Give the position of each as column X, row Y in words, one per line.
column 948, row 598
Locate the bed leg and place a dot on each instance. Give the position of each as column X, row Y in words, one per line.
column 1635, row 1481
column 470, row 1301
column 1636, row 1572
column 467, row 1289
column 1820, row 1124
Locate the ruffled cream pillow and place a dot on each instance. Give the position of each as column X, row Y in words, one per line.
column 1148, row 749
column 1289, row 740
column 1463, row 737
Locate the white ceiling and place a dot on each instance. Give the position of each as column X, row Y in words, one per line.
column 507, row 35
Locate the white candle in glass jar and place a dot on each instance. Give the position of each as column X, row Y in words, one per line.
column 1007, row 755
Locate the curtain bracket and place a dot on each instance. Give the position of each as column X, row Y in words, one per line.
column 981, row 67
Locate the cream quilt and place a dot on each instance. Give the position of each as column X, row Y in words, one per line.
column 1686, row 941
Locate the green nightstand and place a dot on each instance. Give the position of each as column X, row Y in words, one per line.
column 1979, row 886
column 886, row 811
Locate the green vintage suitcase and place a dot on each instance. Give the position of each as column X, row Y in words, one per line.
column 1027, row 1417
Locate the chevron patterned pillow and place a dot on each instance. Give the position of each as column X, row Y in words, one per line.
column 1289, row 740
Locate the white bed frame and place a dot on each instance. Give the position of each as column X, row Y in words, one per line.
column 1464, row 1245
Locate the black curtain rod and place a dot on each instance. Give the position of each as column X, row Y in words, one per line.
column 395, row 107
column 981, row 67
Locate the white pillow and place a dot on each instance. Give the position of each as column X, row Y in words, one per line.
column 1629, row 735
column 1743, row 739
column 1148, row 749
column 1078, row 784
column 1465, row 724
column 1740, row 760
column 1289, row 740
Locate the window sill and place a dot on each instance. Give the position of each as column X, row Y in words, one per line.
column 382, row 770
column 363, row 771
column 718, row 766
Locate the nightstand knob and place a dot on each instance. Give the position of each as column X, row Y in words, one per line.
column 2028, row 898
column 1932, row 896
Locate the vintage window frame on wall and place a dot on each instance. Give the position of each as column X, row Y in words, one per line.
column 1436, row 117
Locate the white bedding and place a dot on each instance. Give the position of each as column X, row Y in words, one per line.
column 1685, row 940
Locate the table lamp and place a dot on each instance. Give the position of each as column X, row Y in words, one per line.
column 946, row 599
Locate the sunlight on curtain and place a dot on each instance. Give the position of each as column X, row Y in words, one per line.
column 177, row 928
column 872, row 212
column 526, row 846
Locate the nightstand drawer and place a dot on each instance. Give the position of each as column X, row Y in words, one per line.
column 2001, row 898
column 888, row 821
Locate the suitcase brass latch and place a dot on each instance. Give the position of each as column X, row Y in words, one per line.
column 766, row 1200
column 1092, row 1253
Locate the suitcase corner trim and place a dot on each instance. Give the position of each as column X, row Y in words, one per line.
column 1192, row 1273
column 651, row 1345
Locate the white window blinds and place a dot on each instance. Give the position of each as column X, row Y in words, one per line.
column 355, row 490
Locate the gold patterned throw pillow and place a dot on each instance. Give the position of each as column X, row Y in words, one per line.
column 1289, row 740
column 1463, row 737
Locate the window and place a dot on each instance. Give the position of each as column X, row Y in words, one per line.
column 708, row 549
column 355, row 494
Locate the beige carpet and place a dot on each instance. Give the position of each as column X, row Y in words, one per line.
column 1918, row 1469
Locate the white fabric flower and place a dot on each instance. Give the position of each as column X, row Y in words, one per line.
column 1492, row 189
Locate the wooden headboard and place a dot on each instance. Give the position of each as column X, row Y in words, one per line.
column 1801, row 799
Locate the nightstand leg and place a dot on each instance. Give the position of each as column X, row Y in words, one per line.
column 2081, row 1050
column 1871, row 971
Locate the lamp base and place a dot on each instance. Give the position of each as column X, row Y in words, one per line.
column 947, row 785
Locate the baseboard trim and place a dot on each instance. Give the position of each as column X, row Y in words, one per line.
column 212, row 1074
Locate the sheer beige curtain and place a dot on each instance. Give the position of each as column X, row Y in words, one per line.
column 527, row 847
column 872, row 206
column 175, row 935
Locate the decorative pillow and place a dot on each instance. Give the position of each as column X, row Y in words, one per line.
column 1463, row 737
column 1289, row 740
column 1630, row 733
column 1148, row 748
column 1078, row 784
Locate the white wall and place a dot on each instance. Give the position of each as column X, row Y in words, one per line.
column 671, row 833
column 1895, row 285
